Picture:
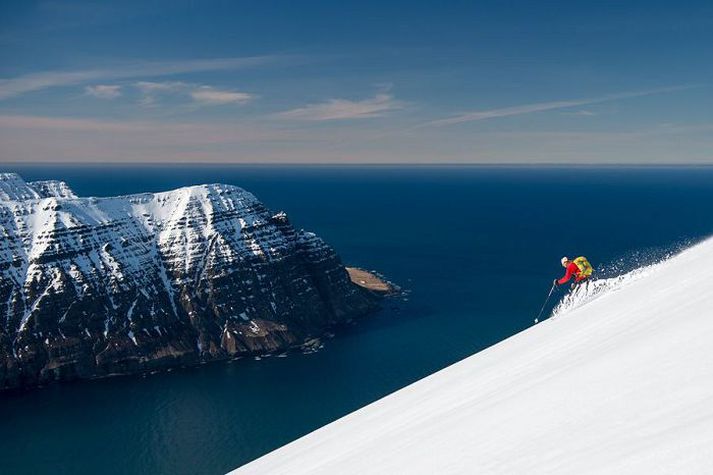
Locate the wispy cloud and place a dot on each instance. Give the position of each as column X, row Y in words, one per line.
column 103, row 91
column 150, row 90
column 36, row 81
column 545, row 106
column 199, row 94
column 341, row 109
column 581, row 113
column 150, row 87
column 212, row 96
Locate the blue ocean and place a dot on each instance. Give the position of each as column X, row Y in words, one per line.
column 474, row 248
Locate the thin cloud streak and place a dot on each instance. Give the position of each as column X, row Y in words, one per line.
column 149, row 87
column 43, row 80
column 212, row 96
column 545, row 106
column 201, row 95
column 343, row 109
column 103, row 91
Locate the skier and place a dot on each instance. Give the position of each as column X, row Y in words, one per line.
column 580, row 268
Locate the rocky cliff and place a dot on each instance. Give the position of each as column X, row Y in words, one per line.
column 97, row 286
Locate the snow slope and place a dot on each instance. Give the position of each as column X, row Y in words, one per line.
column 620, row 384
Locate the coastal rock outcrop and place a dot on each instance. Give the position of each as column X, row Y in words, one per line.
column 97, row 286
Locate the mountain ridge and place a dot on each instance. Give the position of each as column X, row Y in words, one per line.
column 96, row 286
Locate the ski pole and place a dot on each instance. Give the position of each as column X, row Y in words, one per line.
column 545, row 304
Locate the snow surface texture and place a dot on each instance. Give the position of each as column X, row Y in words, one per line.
column 621, row 382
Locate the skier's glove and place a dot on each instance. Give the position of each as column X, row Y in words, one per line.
column 555, row 283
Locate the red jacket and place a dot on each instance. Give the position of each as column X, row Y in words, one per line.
column 572, row 270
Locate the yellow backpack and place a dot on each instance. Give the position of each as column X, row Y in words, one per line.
column 585, row 268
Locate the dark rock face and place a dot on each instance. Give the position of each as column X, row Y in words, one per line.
column 97, row 286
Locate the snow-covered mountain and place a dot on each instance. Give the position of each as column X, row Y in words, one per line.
column 93, row 286
column 618, row 382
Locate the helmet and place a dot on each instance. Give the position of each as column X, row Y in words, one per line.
column 564, row 260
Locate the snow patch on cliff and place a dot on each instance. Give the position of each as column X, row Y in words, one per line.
column 155, row 241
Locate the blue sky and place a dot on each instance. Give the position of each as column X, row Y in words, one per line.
column 356, row 82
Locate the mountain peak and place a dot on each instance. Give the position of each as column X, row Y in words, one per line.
column 92, row 286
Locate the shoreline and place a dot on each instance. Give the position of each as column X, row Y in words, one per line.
column 371, row 282
column 366, row 281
